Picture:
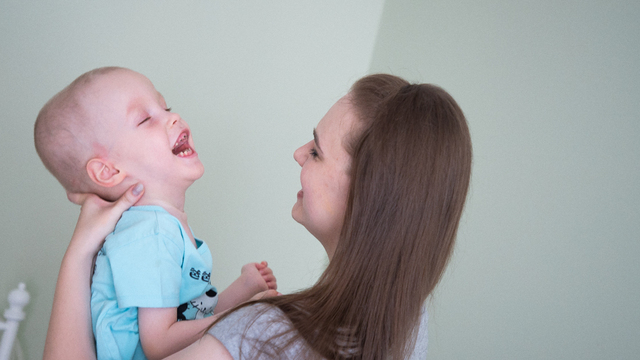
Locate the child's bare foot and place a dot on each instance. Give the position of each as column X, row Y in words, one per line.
column 258, row 277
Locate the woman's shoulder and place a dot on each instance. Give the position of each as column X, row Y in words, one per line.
column 265, row 328
column 254, row 321
column 259, row 328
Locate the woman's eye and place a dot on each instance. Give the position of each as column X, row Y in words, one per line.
column 143, row 121
column 314, row 153
column 167, row 109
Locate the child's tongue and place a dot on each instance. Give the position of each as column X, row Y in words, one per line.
column 180, row 148
column 182, row 145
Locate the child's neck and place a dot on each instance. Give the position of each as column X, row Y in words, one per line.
column 175, row 208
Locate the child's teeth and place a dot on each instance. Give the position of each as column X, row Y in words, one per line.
column 180, row 140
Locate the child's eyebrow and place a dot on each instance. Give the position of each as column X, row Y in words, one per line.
column 134, row 111
column 161, row 98
column 316, row 140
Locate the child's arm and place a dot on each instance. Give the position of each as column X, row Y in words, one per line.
column 70, row 335
column 254, row 278
column 162, row 335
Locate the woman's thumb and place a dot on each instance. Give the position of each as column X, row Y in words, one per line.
column 131, row 196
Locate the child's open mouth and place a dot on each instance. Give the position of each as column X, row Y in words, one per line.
column 181, row 147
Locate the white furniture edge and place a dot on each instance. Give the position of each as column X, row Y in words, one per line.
column 18, row 299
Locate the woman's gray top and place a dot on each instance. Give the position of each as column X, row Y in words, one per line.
column 246, row 330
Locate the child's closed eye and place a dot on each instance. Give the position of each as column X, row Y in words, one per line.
column 149, row 118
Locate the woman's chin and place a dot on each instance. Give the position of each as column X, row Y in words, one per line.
column 295, row 213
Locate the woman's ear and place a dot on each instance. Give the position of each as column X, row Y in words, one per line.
column 104, row 173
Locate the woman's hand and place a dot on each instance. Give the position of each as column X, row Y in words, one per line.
column 98, row 218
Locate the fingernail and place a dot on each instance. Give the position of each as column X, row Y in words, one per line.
column 138, row 189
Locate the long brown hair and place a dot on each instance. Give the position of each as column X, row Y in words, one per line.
column 410, row 171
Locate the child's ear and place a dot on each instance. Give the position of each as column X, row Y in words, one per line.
column 104, row 173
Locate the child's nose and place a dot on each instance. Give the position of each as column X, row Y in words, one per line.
column 173, row 119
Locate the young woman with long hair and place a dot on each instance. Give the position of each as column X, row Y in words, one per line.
column 406, row 154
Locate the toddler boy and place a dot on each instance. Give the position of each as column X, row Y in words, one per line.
column 106, row 131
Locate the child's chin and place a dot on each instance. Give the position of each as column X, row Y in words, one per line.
column 201, row 171
column 197, row 175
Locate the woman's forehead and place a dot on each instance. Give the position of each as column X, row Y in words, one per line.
column 336, row 127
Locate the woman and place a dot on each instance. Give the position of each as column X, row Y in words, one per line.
column 383, row 187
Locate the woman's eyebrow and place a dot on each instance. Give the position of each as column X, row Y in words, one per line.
column 315, row 139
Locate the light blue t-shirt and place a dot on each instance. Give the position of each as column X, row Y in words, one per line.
column 148, row 261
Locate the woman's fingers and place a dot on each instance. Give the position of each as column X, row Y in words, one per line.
column 99, row 217
column 129, row 198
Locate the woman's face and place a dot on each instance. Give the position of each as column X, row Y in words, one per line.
column 324, row 176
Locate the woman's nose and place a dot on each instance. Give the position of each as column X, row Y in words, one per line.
column 299, row 154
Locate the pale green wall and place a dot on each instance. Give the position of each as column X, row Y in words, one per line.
column 547, row 263
column 252, row 78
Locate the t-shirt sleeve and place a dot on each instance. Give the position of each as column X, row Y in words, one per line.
column 258, row 332
column 422, row 338
column 147, row 272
